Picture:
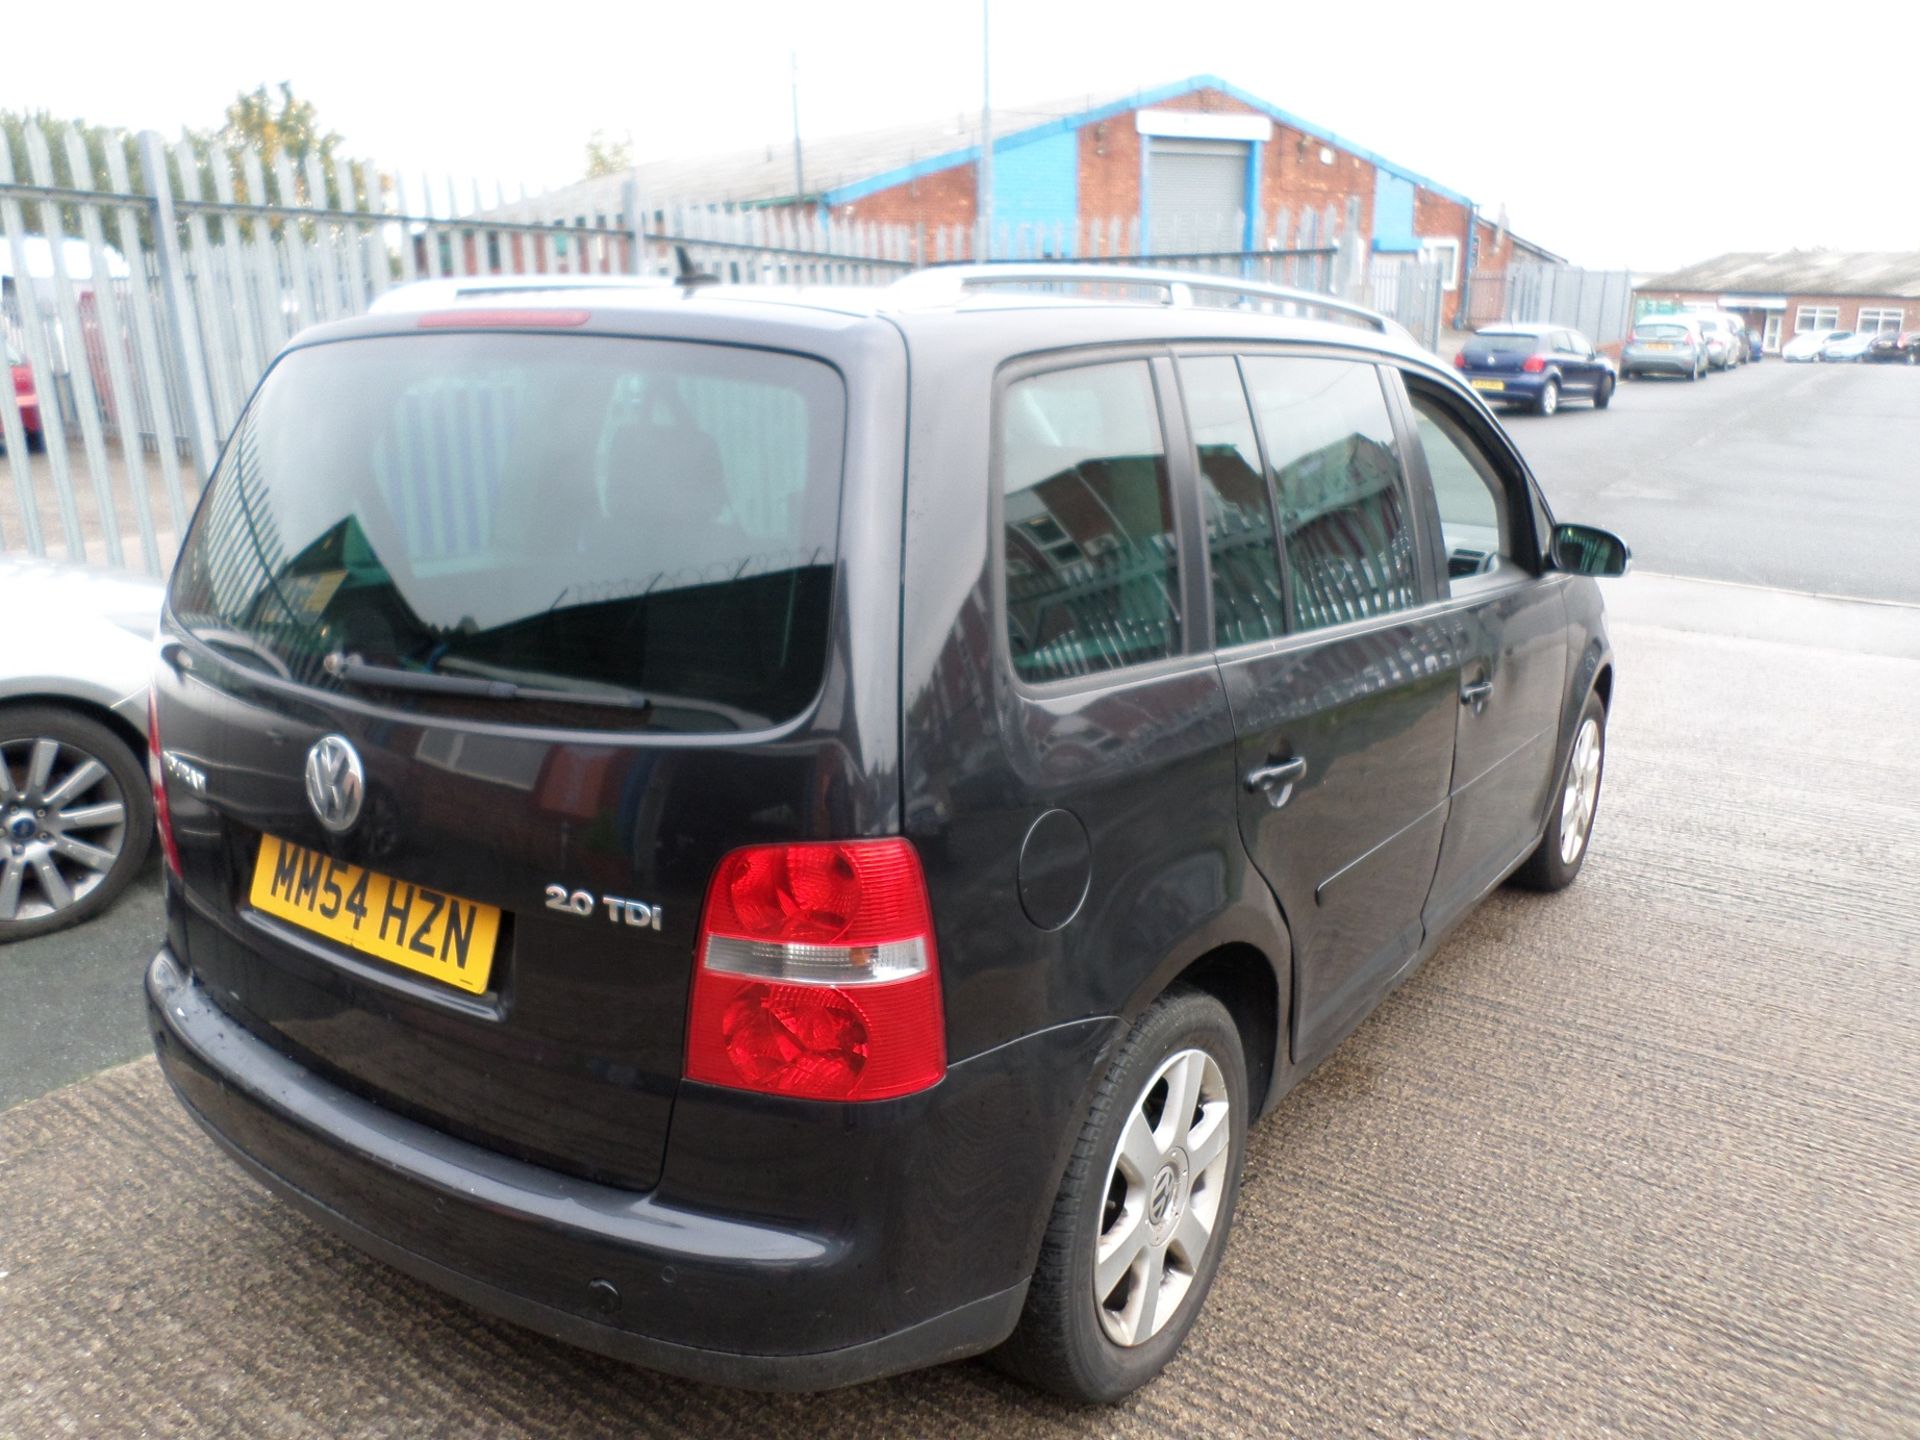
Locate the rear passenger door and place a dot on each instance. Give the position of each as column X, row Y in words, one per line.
column 1340, row 678
column 1512, row 638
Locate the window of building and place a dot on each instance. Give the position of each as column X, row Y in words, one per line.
column 1092, row 579
column 1447, row 252
column 1248, row 602
column 1879, row 322
column 1344, row 516
column 1816, row 317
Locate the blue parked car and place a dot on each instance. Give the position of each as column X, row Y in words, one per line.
column 1536, row 367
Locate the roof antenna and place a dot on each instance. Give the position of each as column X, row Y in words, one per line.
column 691, row 274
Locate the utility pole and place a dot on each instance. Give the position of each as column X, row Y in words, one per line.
column 985, row 168
column 799, row 169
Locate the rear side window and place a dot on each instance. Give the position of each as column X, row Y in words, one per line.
column 1343, row 512
column 1248, row 602
column 1091, row 573
column 646, row 523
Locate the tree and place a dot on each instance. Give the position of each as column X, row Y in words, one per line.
column 259, row 121
column 607, row 156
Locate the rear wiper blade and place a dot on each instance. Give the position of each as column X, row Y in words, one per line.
column 352, row 670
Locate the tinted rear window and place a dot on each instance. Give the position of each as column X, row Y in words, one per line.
column 611, row 518
column 1520, row 344
column 1660, row 332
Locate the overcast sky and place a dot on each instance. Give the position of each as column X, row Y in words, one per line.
column 1617, row 133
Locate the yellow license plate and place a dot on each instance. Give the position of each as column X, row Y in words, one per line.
column 1489, row 384
column 1659, row 345
column 419, row 929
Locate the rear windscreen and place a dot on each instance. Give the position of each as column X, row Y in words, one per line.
column 1509, row 344
column 1660, row 332
column 640, row 531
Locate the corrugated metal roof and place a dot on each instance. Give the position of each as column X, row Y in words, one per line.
column 840, row 168
column 765, row 175
column 1801, row 272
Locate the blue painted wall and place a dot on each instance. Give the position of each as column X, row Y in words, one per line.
column 1038, row 184
column 1393, row 213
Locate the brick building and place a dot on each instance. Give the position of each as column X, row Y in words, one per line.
column 1791, row 291
column 1198, row 164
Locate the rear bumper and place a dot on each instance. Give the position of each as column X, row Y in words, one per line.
column 1658, row 362
column 840, row 1292
column 1512, row 387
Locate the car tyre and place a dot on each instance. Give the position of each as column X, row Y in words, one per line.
column 60, row 870
column 1135, row 1156
column 1556, row 862
column 1549, row 400
column 1604, row 395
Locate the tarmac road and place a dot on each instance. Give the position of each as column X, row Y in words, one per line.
column 1640, row 1159
column 1803, row 477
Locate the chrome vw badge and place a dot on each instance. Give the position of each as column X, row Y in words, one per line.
column 335, row 782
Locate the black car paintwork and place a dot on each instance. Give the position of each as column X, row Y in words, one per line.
column 570, row 1067
column 572, row 1058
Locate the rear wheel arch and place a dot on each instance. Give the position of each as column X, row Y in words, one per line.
column 1603, row 686
column 1244, row 960
column 116, row 722
column 1246, row 982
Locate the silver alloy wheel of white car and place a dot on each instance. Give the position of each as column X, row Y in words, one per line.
column 1162, row 1198
column 63, row 822
column 1582, row 794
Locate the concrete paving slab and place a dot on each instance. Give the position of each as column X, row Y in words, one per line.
column 1639, row 1159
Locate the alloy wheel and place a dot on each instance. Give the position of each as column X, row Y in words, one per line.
column 63, row 824
column 1582, row 794
column 1162, row 1200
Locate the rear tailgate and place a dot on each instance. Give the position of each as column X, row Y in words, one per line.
column 643, row 537
column 1497, row 354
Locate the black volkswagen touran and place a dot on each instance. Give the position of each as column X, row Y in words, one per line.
column 787, row 837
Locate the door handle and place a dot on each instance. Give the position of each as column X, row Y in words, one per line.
column 1274, row 776
column 1475, row 692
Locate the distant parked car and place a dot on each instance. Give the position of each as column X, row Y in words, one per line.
column 1805, row 347
column 76, row 803
column 1726, row 338
column 1848, row 349
column 1891, row 349
column 27, row 398
column 1536, row 366
column 1665, row 345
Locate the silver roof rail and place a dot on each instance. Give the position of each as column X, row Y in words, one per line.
column 949, row 282
column 451, row 290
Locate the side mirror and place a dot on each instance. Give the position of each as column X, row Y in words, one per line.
column 1588, row 550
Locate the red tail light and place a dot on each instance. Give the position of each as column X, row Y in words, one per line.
column 1459, row 359
column 162, row 815
column 1535, row 364
column 815, row 974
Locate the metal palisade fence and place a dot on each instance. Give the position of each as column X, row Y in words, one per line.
column 1597, row 303
column 141, row 306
